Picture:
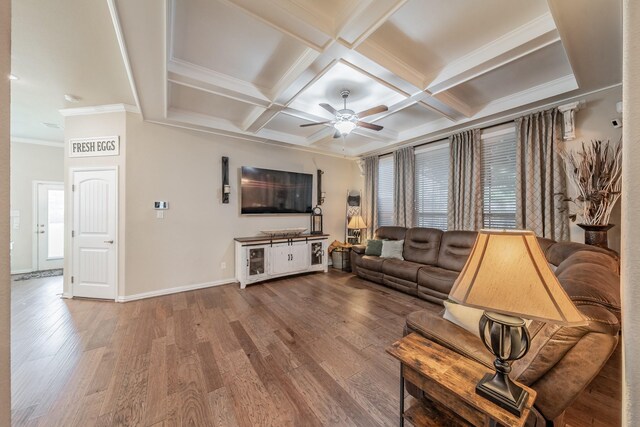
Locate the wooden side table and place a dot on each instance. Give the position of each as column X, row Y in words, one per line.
column 448, row 379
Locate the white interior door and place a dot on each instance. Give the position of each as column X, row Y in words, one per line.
column 95, row 246
column 49, row 225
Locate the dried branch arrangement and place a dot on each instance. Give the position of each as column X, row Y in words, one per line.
column 596, row 172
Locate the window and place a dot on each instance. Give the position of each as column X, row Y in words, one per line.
column 499, row 177
column 432, row 185
column 385, row 190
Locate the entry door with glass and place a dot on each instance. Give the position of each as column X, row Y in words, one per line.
column 49, row 226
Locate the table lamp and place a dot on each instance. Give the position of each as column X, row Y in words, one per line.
column 508, row 277
column 356, row 223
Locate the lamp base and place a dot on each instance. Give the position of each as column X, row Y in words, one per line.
column 499, row 389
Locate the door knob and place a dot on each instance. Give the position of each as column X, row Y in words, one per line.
column 109, row 241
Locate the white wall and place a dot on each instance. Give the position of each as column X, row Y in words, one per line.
column 29, row 162
column 184, row 167
column 5, row 284
column 104, row 124
column 630, row 277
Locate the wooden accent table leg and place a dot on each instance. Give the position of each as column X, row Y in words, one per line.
column 401, row 395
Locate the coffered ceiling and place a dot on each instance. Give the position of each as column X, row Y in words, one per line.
column 257, row 69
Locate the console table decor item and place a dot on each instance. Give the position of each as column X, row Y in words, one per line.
column 284, row 232
column 261, row 258
column 508, row 276
column 316, row 220
column 596, row 172
column 448, row 381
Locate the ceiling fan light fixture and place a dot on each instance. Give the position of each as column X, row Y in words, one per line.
column 344, row 126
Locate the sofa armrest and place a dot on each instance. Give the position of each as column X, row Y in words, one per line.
column 359, row 249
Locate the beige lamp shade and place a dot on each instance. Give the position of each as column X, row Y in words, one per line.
column 507, row 273
column 356, row 223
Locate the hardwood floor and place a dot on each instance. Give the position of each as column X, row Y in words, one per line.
column 302, row 351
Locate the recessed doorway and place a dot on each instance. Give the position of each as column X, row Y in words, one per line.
column 48, row 225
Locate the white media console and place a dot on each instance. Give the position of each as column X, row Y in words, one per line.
column 264, row 257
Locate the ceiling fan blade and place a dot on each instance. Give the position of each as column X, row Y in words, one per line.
column 329, row 108
column 369, row 126
column 314, row 124
column 372, row 111
column 337, row 134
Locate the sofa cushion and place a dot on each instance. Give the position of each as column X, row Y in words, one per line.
column 374, row 247
column 369, row 262
column 593, row 284
column 405, row 270
column 359, row 249
column 437, row 278
column 586, row 258
column 455, row 249
column 392, row 249
column 422, row 245
column 560, row 251
column 406, row 286
column 391, row 233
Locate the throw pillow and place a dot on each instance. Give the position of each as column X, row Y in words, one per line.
column 466, row 317
column 374, row 247
column 392, row 249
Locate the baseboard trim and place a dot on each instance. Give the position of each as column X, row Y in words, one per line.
column 23, row 271
column 178, row 289
column 66, row 295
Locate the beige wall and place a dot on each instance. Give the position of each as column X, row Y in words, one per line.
column 594, row 122
column 104, row 124
column 631, row 216
column 29, row 162
column 5, row 289
column 196, row 235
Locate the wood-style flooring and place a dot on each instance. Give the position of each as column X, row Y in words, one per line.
column 301, row 351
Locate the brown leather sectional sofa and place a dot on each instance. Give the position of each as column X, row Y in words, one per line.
column 562, row 361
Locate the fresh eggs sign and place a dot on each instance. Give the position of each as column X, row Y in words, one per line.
column 94, row 147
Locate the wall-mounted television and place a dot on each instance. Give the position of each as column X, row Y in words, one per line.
column 266, row 191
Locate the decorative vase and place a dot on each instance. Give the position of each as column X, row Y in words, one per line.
column 596, row 235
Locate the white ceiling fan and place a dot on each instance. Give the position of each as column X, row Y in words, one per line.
column 347, row 120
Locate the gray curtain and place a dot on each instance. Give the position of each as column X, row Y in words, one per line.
column 404, row 161
column 465, row 186
column 369, row 199
column 540, row 176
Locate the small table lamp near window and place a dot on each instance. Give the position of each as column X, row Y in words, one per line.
column 508, row 276
column 357, row 224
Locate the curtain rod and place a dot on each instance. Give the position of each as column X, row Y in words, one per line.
column 422, row 144
column 523, row 113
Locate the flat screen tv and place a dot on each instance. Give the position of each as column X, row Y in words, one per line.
column 266, row 191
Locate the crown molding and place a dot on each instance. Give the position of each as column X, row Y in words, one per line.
column 99, row 109
column 20, row 140
column 482, row 122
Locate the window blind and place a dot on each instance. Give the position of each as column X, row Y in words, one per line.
column 432, row 186
column 499, row 179
column 385, row 190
